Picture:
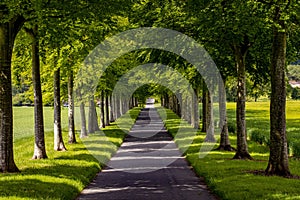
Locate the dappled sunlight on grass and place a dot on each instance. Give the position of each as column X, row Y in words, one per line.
column 64, row 174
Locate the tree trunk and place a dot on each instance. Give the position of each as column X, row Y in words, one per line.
column 278, row 160
column 93, row 119
column 131, row 102
column 111, row 103
column 195, row 110
column 173, row 103
column 39, row 145
column 90, row 119
column 184, row 110
column 102, row 111
column 121, row 106
column 117, row 107
column 166, row 97
column 8, row 32
column 136, row 103
column 107, row 110
column 204, row 108
column 210, row 129
column 242, row 147
column 224, row 141
column 178, row 104
column 83, row 132
column 58, row 139
column 72, row 135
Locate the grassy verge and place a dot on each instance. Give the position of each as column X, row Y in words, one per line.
column 231, row 179
column 64, row 174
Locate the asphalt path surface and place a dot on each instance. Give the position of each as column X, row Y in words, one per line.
column 148, row 165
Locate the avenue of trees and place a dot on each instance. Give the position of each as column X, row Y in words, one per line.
column 43, row 43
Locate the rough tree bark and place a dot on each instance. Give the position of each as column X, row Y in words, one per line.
column 8, row 32
column 72, row 135
column 102, row 111
column 111, row 103
column 278, row 159
column 107, row 111
column 167, row 102
column 39, row 144
column 178, row 102
column 204, row 108
column 242, row 146
column 93, row 119
column 210, row 128
column 117, row 106
column 224, row 140
column 121, row 106
column 83, row 132
column 136, row 103
column 195, row 110
column 58, row 139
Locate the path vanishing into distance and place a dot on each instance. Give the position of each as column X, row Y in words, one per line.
column 148, row 165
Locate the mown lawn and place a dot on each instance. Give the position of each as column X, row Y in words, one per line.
column 234, row 179
column 24, row 122
column 258, row 123
column 64, row 174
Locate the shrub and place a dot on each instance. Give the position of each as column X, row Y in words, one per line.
column 259, row 137
column 295, row 93
column 231, row 127
column 295, row 148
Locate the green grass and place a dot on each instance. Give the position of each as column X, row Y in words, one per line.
column 233, row 179
column 64, row 174
column 258, row 121
column 24, row 122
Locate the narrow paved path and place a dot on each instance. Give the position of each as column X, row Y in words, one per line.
column 148, row 165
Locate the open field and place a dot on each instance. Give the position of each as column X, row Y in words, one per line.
column 234, row 179
column 24, row 121
column 258, row 123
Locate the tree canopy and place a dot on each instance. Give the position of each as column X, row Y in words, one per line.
column 250, row 41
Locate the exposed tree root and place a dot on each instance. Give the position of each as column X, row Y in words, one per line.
column 225, row 148
column 242, row 156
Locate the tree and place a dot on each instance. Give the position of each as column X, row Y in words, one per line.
column 10, row 24
column 83, row 132
column 280, row 12
column 234, row 26
column 39, row 144
column 107, row 111
column 224, row 136
column 210, row 129
column 240, row 52
column 204, row 107
column 93, row 119
column 72, row 136
column 278, row 160
column 58, row 140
